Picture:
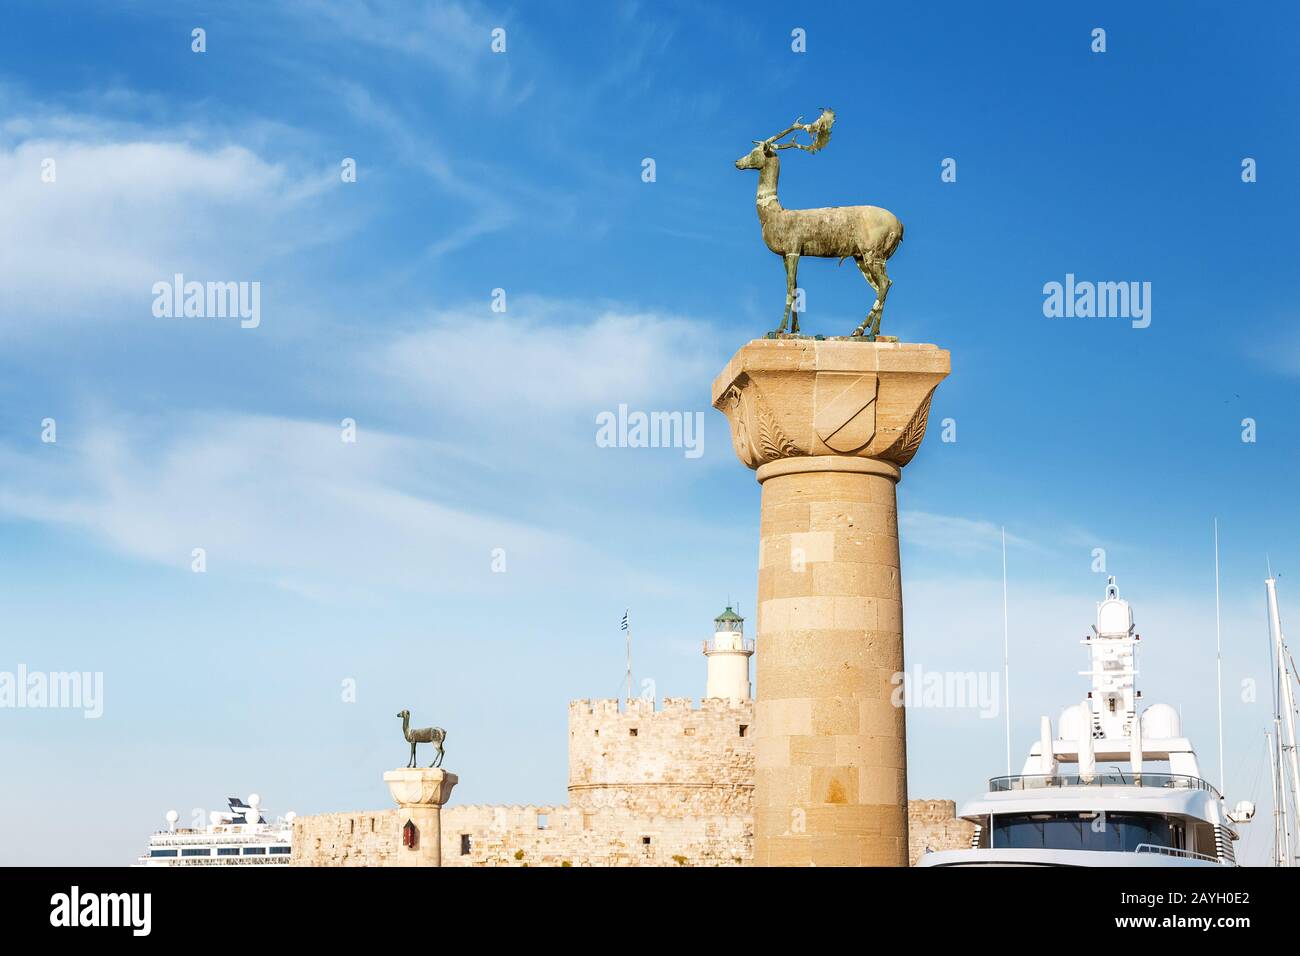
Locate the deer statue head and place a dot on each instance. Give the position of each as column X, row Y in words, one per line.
column 819, row 130
column 404, row 714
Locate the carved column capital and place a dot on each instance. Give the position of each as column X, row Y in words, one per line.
column 790, row 398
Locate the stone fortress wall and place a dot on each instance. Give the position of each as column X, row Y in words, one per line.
column 680, row 760
column 668, row 786
column 933, row 825
column 647, row 787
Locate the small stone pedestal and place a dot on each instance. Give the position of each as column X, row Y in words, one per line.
column 828, row 426
column 421, row 793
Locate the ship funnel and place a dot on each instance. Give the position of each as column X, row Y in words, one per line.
column 1087, row 757
column 1135, row 746
column 1048, row 757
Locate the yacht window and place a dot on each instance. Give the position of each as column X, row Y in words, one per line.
column 254, row 851
column 1114, row 832
column 203, row 852
column 162, row 852
column 227, row 851
column 281, row 849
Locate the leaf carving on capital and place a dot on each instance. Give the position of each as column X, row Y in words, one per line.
column 755, row 433
column 908, row 442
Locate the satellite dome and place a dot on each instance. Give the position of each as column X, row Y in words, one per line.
column 1072, row 722
column 172, row 816
column 215, row 817
column 1160, row 721
column 1114, row 616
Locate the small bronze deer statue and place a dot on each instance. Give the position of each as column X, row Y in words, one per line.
column 422, row 735
column 866, row 234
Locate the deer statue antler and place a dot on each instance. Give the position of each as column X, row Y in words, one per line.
column 819, row 130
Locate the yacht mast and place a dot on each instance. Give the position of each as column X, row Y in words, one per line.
column 1286, row 702
column 1218, row 655
column 1278, row 859
column 1006, row 652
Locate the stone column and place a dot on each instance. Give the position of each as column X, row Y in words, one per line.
column 421, row 792
column 829, row 425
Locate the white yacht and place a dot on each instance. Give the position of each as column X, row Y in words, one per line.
column 239, row 836
column 1113, row 787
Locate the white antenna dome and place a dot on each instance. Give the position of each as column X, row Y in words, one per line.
column 172, row 817
column 290, row 817
column 254, row 799
column 1114, row 616
column 1072, row 722
column 1160, row 721
column 215, row 817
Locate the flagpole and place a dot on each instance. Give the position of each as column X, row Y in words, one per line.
column 627, row 627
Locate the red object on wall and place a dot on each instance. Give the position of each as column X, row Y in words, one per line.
column 409, row 834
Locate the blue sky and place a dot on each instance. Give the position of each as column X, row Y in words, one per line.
column 372, row 561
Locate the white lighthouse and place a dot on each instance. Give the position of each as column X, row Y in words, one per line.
column 728, row 655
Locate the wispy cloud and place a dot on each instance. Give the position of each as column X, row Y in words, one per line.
column 277, row 500
column 962, row 537
column 546, row 358
column 121, row 214
column 451, row 38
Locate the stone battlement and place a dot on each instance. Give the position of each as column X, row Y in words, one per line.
column 680, row 760
column 642, row 706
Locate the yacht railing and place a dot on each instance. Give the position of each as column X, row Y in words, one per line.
column 1173, row 851
column 1170, row 781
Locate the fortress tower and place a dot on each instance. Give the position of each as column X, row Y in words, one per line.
column 676, row 761
column 728, row 655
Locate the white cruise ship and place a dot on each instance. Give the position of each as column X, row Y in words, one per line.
column 239, row 836
column 1112, row 787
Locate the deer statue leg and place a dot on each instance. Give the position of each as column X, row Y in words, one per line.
column 791, row 273
column 873, row 270
column 792, row 290
column 411, row 762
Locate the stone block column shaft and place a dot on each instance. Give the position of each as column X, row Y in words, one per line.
column 828, row 426
column 831, row 784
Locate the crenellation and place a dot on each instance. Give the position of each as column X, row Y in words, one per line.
column 641, row 707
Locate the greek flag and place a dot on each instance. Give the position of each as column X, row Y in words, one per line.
column 624, row 626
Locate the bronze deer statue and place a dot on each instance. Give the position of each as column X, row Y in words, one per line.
column 422, row 735
column 866, row 234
